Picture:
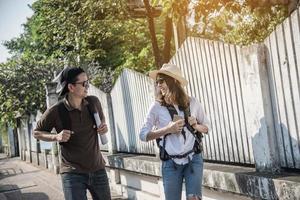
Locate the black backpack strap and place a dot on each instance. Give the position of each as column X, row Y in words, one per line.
column 187, row 114
column 197, row 135
column 172, row 112
column 64, row 116
column 90, row 109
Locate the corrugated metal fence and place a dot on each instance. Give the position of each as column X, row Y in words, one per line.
column 213, row 70
column 131, row 96
column 105, row 106
column 283, row 49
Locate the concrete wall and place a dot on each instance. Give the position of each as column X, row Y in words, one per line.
column 43, row 159
column 139, row 177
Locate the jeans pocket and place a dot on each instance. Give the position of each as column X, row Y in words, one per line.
column 197, row 159
column 100, row 177
column 72, row 177
column 168, row 164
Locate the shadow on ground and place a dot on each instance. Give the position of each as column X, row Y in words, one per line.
column 13, row 192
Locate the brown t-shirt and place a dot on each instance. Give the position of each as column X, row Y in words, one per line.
column 82, row 152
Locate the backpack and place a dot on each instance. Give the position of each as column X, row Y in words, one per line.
column 198, row 146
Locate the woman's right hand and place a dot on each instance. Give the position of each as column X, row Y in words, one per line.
column 175, row 127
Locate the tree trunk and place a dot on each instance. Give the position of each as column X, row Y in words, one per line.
column 168, row 37
column 293, row 4
column 157, row 57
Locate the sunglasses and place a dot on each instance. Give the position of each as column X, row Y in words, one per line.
column 83, row 83
column 160, row 81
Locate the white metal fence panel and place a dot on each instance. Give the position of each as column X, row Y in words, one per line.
column 283, row 48
column 212, row 69
column 103, row 100
column 132, row 96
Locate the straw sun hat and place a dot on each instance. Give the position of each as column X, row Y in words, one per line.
column 169, row 70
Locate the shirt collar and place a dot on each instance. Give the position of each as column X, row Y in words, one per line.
column 68, row 105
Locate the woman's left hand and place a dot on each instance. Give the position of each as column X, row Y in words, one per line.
column 201, row 128
column 102, row 128
column 192, row 121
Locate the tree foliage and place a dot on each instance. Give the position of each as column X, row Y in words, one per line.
column 97, row 35
column 81, row 32
column 3, row 135
column 240, row 22
column 102, row 37
column 22, row 86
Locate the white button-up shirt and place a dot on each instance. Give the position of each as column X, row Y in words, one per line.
column 158, row 117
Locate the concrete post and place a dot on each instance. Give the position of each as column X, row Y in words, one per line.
column 44, row 154
column 52, row 98
column 259, row 117
column 21, row 139
column 51, row 95
column 1, row 143
column 11, row 141
column 25, row 122
column 112, row 145
column 36, row 143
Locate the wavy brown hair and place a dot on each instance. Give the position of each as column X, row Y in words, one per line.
column 176, row 94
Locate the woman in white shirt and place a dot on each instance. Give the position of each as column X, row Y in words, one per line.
column 176, row 121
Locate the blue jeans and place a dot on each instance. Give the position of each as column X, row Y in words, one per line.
column 173, row 175
column 76, row 184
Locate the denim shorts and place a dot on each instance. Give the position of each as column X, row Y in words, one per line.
column 174, row 174
column 76, row 184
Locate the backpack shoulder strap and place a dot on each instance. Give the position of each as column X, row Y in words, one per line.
column 187, row 113
column 64, row 116
column 172, row 112
column 90, row 109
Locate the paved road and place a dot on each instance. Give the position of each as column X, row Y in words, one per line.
column 21, row 180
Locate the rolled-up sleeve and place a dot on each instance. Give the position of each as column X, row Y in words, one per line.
column 47, row 121
column 149, row 123
column 201, row 116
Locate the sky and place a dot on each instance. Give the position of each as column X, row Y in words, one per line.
column 13, row 13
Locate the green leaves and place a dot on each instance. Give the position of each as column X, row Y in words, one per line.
column 22, row 89
column 233, row 21
column 173, row 9
column 225, row 19
column 96, row 35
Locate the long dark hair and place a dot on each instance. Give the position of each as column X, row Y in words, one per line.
column 176, row 94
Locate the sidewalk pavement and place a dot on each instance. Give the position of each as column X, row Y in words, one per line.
column 22, row 180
